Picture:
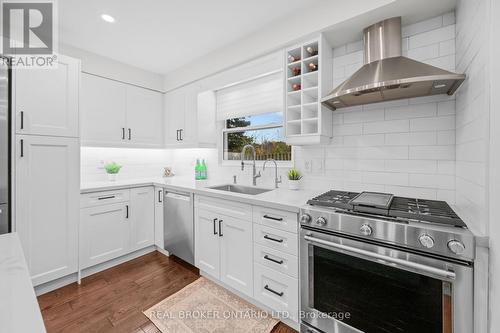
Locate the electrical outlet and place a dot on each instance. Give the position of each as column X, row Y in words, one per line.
column 308, row 166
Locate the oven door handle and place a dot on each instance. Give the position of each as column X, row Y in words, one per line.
column 423, row 268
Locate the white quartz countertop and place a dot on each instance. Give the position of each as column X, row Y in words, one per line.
column 19, row 310
column 281, row 198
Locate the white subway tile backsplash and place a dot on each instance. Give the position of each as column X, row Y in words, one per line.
column 446, row 137
column 445, row 182
column 447, row 47
column 445, row 123
column 411, row 111
column 437, row 153
column 364, row 140
column 423, row 26
column 348, row 129
column 392, row 126
column 446, row 108
column 431, row 37
column 349, row 59
column 424, row 52
column 363, row 116
column 445, row 62
column 413, row 166
column 386, row 178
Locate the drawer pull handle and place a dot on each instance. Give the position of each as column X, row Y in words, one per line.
column 273, row 239
column 280, row 262
column 220, row 228
column 105, row 198
column 126, row 207
column 273, row 218
column 280, row 294
column 215, row 228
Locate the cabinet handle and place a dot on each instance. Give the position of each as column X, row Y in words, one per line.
column 126, row 216
column 130, row 134
column 280, row 262
column 280, row 294
column 22, row 148
column 177, row 135
column 159, row 196
column 123, row 133
column 22, row 119
column 220, row 228
column 273, row 239
column 105, row 198
column 215, row 228
column 180, row 134
column 273, row 218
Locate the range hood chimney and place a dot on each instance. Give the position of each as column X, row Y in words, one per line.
column 387, row 75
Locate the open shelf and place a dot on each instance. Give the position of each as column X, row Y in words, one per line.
column 310, row 61
column 309, row 111
column 296, row 53
column 293, row 127
column 309, row 95
column 310, row 80
column 310, row 126
column 294, row 113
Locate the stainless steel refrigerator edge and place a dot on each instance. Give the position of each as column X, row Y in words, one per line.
column 5, row 90
column 178, row 224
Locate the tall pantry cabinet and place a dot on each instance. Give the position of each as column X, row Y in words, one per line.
column 47, row 167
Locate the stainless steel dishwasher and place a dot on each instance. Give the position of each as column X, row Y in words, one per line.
column 179, row 224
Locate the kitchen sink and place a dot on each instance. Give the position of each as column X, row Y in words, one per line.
column 240, row 189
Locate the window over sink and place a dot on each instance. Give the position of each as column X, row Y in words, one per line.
column 252, row 113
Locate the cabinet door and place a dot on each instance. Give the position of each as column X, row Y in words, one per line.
column 207, row 243
column 189, row 129
column 174, row 111
column 47, row 204
column 236, row 253
column 103, row 120
column 142, row 216
column 46, row 101
column 144, row 117
column 159, row 241
column 104, row 233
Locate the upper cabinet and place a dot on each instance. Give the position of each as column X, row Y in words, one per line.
column 118, row 114
column 46, row 101
column 190, row 117
column 308, row 78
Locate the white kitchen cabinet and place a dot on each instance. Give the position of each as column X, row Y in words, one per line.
column 142, row 217
column 115, row 114
column 190, row 117
column 104, row 233
column 159, row 239
column 144, row 117
column 47, row 189
column 103, row 120
column 236, row 254
column 207, row 244
column 47, row 101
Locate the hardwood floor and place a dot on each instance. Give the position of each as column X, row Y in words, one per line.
column 113, row 300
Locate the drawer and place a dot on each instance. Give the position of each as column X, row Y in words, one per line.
column 275, row 218
column 104, row 198
column 224, row 207
column 276, row 239
column 278, row 291
column 277, row 260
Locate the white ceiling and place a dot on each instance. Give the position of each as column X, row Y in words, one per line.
column 161, row 35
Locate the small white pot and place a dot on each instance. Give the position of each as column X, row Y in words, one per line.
column 112, row 177
column 294, row 184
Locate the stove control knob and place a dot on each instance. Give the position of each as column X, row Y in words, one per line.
column 426, row 241
column 366, row 230
column 456, row 246
column 321, row 221
column 305, row 218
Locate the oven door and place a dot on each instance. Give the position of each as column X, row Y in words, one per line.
column 352, row 286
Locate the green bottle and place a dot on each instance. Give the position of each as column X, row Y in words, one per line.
column 203, row 170
column 197, row 170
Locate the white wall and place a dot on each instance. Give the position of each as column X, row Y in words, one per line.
column 270, row 38
column 406, row 147
column 95, row 64
column 137, row 163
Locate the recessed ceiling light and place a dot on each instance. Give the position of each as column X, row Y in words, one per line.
column 108, row 18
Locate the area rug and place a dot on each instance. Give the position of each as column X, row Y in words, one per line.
column 203, row 306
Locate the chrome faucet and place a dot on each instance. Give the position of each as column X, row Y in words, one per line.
column 276, row 179
column 255, row 175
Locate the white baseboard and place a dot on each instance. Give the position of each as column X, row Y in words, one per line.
column 293, row 324
column 64, row 281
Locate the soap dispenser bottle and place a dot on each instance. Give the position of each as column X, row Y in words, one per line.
column 197, row 170
column 203, row 169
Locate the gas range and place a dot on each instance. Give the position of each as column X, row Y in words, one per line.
column 426, row 226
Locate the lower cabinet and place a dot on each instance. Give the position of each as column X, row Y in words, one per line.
column 115, row 223
column 104, row 233
column 224, row 249
column 159, row 238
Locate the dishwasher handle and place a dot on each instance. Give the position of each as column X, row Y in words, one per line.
column 177, row 196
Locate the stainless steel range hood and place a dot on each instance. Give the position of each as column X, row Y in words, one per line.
column 387, row 75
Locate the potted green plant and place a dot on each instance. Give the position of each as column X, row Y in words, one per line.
column 294, row 178
column 112, row 170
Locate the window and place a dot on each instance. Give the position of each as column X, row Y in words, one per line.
column 264, row 131
column 252, row 113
